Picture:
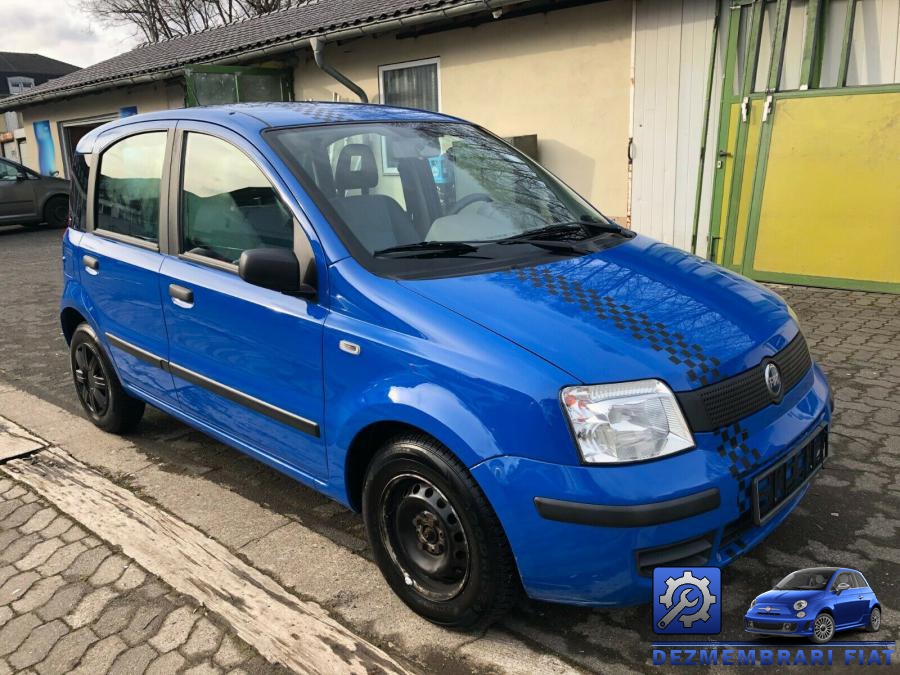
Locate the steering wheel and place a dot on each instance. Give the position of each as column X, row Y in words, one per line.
column 468, row 200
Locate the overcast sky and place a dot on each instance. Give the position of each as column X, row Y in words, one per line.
column 56, row 28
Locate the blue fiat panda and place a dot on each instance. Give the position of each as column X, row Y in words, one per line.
column 403, row 312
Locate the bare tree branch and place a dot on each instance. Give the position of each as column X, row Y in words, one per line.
column 164, row 19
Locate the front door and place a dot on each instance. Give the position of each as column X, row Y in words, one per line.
column 246, row 360
column 16, row 193
column 119, row 256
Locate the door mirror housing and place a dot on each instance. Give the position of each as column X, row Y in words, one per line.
column 841, row 587
column 21, row 175
column 274, row 268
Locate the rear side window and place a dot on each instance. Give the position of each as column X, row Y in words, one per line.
column 227, row 204
column 128, row 186
column 860, row 582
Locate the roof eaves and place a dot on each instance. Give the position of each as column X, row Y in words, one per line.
column 355, row 27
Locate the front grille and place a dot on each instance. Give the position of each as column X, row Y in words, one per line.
column 718, row 405
column 690, row 553
column 771, row 625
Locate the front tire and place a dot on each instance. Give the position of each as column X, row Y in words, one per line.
column 99, row 391
column 874, row 620
column 823, row 629
column 435, row 537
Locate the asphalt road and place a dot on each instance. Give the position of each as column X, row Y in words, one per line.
column 850, row 517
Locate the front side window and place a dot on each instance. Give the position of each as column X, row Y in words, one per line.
column 227, row 205
column 458, row 195
column 128, row 186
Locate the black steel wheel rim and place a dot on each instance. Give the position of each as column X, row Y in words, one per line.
column 422, row 531
column 90, row 379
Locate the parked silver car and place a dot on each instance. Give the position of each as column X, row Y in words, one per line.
column 28, row 198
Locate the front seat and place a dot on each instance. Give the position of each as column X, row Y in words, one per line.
column 378, row 221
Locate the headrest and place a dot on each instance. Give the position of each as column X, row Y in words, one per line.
column 356, row 168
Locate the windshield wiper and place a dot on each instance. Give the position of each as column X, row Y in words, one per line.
column 427, row 249
column 560, row 231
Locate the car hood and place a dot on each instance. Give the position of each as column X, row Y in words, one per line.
column 776, row 597
column 639, row 310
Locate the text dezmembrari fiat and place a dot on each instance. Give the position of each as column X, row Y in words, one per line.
column 403, row 312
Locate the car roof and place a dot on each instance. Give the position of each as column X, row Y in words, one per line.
column 253, row 116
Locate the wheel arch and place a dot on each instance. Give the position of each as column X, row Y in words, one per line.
column 70, row 318
column 362, row 450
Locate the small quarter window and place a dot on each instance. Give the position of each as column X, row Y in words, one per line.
column 128, row 186
column 227, row 204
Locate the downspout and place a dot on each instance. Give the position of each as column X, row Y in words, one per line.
column 318, row 47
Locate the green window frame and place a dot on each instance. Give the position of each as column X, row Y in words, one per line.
column 235, row 84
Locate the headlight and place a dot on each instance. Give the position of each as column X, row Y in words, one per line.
column 626, row 422
column 753, row 602
column 800, row 604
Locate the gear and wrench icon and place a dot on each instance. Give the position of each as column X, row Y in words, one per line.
column 668, row 600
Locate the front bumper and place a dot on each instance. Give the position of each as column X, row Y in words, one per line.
column 603, row 553
column 785, row 623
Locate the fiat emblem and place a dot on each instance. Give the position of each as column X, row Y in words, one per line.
column 773, row 380
column 768, row 609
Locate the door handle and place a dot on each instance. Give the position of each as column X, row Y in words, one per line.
column 90, row 263
column 181, row 296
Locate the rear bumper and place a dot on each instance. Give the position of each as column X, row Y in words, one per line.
column 591, row 535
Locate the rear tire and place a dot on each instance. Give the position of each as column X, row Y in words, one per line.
column 56, row 211
column 99, row 391
column 874, row 620
column 435, row 537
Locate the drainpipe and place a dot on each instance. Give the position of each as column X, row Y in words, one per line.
column 318, row 47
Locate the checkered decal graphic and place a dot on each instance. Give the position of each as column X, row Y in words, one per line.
column 701, row 369
column 742, row 459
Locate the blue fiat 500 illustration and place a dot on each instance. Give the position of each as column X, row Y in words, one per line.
column 515, row 391
column 815, row 603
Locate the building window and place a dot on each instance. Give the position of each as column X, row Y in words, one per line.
column 19, row 84
column 414, row 84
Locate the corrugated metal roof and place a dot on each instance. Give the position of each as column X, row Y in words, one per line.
column 217, row 44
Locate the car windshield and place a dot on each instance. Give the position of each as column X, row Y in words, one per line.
column 403, row 193
column 815, row 579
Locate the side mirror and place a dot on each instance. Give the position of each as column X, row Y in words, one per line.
column 842, row 587
column 21, row 175
column 54, row 174
column 274, row 268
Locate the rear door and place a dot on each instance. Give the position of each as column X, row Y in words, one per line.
column 16, row 193
column 246, row 360
column 119, row 255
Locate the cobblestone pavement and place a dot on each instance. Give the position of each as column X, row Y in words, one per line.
column 851, row 515
column 71, row 604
